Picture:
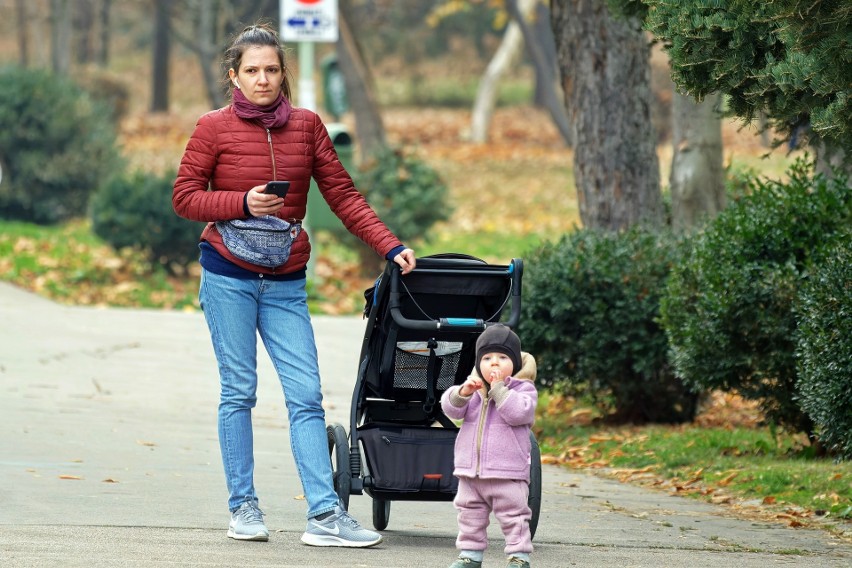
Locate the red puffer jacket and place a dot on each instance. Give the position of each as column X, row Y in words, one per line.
column 231, row 155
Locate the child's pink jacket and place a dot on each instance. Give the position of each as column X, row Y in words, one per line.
column 494, row 439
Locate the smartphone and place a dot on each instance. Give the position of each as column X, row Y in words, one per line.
column 279, row 188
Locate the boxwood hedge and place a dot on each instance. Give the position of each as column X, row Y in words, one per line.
column 730, row 306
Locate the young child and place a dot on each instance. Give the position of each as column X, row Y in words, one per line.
column 492, row 453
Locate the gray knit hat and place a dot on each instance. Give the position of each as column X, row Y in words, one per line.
column 499, row 339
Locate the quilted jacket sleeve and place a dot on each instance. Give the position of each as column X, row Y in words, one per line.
column 344, row 199
column 191, row 198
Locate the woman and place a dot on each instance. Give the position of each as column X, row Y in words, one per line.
column 232, row 154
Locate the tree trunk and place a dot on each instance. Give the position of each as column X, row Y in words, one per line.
column 60, row 44
column 103, row 47
column 207, row 54
column 197, row 27
column 542, row 69
column 829, row 158
column 369, row 128
column 23, row 32
column 486, row 95
column 84, row 23
column 160, row 68
column 543, row 34
column 605, row 74
column 697, row 177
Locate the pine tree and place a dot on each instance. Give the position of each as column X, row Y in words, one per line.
column 789, row 58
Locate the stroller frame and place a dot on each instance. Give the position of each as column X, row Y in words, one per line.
column 426, row 324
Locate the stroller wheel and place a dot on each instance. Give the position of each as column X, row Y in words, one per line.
column 534, row 499
column 381, row 514
column 338, row 449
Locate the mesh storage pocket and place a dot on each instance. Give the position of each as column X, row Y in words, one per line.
column 410, row 364
column 410, row 458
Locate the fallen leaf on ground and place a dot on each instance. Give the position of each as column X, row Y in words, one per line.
column 728, row 479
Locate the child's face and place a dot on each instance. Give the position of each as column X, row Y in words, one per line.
column 495, row 366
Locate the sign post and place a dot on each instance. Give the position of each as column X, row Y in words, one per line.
column 307, row 22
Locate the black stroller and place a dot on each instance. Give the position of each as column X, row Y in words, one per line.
column 420, row 340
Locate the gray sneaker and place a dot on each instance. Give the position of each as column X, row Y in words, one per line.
column 466, row 563
column 515, row 562
column 247, row 523
column 339, row 529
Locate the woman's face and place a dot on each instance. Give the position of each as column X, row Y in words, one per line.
column 260, row 75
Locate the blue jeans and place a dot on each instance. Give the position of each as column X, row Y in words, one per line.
column 236, row 310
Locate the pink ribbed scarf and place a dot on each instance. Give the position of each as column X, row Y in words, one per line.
column 272, row 116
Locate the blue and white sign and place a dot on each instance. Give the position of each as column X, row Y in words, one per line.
column 309, row 20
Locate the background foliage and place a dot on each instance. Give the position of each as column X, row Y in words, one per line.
column 66, row 151
column 135, row 210
column 729, row 309
column 825, row 347
column 590, row 309
column 785, row 57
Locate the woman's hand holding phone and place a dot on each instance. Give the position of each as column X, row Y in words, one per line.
column 267, row 199
column 278, row 188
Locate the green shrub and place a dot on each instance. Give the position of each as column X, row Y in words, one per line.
column 136, row 211
column 107, row 89
column 729, row 306
column 57, row 146
column 738, row 180
column 825, row 346
column 589, row 315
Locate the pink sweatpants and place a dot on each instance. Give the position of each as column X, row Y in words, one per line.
column 507, row 498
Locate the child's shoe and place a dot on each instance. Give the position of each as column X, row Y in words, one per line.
column 465, row 563
column 515, row 562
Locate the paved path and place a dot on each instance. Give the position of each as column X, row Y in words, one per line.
column 108, row 457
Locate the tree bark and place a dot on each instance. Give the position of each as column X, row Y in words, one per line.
column 160, row 67
column 605, row 75
column 697, row 178
column 369, row 128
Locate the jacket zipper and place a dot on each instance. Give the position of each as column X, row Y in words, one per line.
column 274, row 172
column 271, row 154
column 479, row 429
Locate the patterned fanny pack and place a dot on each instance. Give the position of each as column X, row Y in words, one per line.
column 264, row 241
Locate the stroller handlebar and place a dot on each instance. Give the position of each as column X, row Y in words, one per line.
column 514, row 271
